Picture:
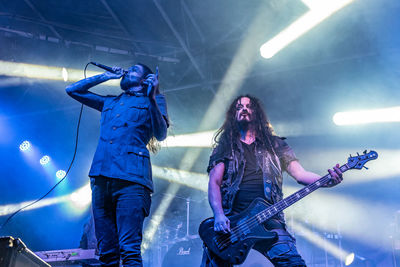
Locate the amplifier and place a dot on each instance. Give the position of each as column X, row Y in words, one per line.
column 14, row 253
column 70, row 257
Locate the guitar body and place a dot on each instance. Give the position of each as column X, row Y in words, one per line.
column 245, row 232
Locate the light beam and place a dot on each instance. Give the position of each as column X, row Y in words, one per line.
column 391, row 114
column 319, row 11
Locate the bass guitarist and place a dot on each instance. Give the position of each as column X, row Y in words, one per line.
column 247, row 162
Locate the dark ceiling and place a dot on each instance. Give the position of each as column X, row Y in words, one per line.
column 194, row 43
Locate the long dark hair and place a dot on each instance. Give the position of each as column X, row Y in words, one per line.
column 153, row 145
column 229, row 133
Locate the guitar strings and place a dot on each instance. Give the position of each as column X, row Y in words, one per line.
column 253, row 221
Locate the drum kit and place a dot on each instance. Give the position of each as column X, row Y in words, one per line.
column 178, row 248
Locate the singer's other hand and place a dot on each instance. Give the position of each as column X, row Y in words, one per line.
column 152, row 84
column 118, row 73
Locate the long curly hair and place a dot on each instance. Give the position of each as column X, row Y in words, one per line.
column 229, row 133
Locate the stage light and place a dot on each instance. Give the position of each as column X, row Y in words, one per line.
column 15, row 69
column 65, row 74
column 60, row 174
column 319, row 11
column 11, row 208
column 82, row 197
column 349, row 259
column 200, row 139
column 367, row 116
column 44, row 160
column 205, row 139
column 191, row 179
column 24, row 146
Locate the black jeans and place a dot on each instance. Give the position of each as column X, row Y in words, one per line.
column 282, row 253
column 119, row 209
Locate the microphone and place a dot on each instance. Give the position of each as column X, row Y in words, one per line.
column 107, row 68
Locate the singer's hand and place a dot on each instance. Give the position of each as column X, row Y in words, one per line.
column 152, row 84
column 118, row 73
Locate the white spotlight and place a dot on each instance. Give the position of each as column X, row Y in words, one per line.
column 200, row 139
column 349, row 259
column 44, row 160
column 319, row 11
column 24, row 146
column 16, row 69
column 367, row 116
column 65, row 74
column 11, row 208
column 191, row 179
column 81, row 197
column 60, row 174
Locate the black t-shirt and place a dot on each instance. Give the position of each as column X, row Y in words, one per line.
column 252, row 185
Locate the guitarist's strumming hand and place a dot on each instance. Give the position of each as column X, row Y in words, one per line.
column 221, row 223
column 336, row 176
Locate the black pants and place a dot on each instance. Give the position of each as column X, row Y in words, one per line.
column 119, row 209
column 282, row 253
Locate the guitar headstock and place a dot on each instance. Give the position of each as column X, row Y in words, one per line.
column 358, row 162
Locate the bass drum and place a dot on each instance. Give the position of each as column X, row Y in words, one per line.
column 189, row 253
column 184, row 253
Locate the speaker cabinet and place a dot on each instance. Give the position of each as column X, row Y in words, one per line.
column 14, row 253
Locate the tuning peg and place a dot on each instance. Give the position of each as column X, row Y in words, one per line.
column 365, row 167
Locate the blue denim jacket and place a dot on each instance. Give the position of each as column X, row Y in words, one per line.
column 125, row 130
column 272, row 167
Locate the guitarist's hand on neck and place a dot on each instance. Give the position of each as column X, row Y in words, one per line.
column 336, row 176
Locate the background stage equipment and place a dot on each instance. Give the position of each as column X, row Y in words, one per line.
column 14, row 253
column 70, row 257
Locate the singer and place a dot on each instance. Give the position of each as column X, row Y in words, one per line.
column 120, row 174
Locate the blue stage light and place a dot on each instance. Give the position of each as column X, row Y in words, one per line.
column 60, row 174
column 44, row 160
column 25, row 146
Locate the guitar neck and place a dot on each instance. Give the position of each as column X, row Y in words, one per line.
column 290, row 200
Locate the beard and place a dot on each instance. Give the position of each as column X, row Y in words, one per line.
column 127, row 83
column 245, row 125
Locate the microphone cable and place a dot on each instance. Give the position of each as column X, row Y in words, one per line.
column 69, row 168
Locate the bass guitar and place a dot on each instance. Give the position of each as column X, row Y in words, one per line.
column 248, row 226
